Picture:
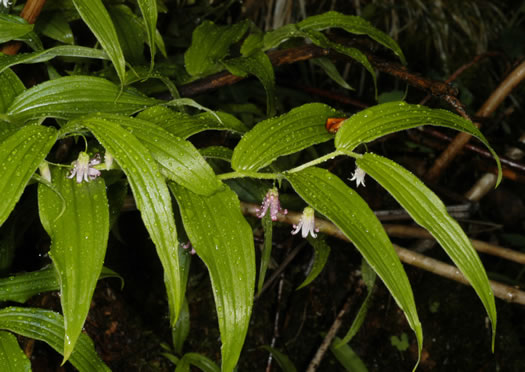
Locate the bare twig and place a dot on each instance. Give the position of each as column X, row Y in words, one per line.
column 495, row 99
column 502, row 291
column 478, row 150
column 280, row 269
column 462, row 69
column 278, row 57
column 318, row 357
column 276, row 322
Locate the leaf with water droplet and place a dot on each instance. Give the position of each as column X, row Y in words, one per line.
column 221, row 239
column 26, row 148
column 331, row 197
column 79, row 235
column 294, row 131
column 48, row 326
column 391, row 117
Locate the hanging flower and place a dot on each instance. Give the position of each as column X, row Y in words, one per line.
column 306, row 224
column 271, row 200
column 5, row 3
column 84, row 169
column 358, row 176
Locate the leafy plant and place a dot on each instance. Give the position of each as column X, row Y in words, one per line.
column 90, row 101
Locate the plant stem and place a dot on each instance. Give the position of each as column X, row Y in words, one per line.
column 316, row 161
column 263, row 176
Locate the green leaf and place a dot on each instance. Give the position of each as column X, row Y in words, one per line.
column 223, row 240
column 282, row 359
column 347, row 357
column 184, row 125
column 48, row 54
column 300, row 128
column 179, row 159
column 48, row 326
column 321, row 40
column 391, row 117
column 148, row 8
column 72, row 96
column 210, row 43
column 21, row 287
column 217, row 152
column 20, row 155
column 274, row 38
column 13, row 27
column 200, row 361
column 8, row 242
column 12, row 357
column 257, row 64
column 55, row 26
column 331, row 70
column 182, row 328
column 10, row 87
column 97, row 18
column 252, row 43
column 267, row 250
column 352, row 24
column 130, row 31
column 151, row 197
column 369, row 277
column 321, row 254
column 430, row 212
column 79, row 237
column 32, row 40
column 344, row 207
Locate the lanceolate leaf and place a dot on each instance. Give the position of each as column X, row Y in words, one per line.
column 352, row 24
column 45, row 55
column 344, row 207
column 322, row 41
column 273, row 38
column 321, row 253
column 217, row 152
column 79, row 237
column 12, row 357
column 179, row 159
column 55, row 26
column 259, row 65
column 223, row 240
column 182, row 328
column 20, row 155
column 12, row 27
column 10, row 87
column 369, row 277
column 200, row 361
column 282, row 359
column 151, row 196
column 72, row 96
column 392, row 117
column 98, row 20
column 184, row 125
column 428, row 211
column 331, row 70
column 148, row 8
column 300, row 128
column 210, row 43
column 347, row 357
column 131, row 34
column 48, row 326
column 267, row 250
column 21, row 287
